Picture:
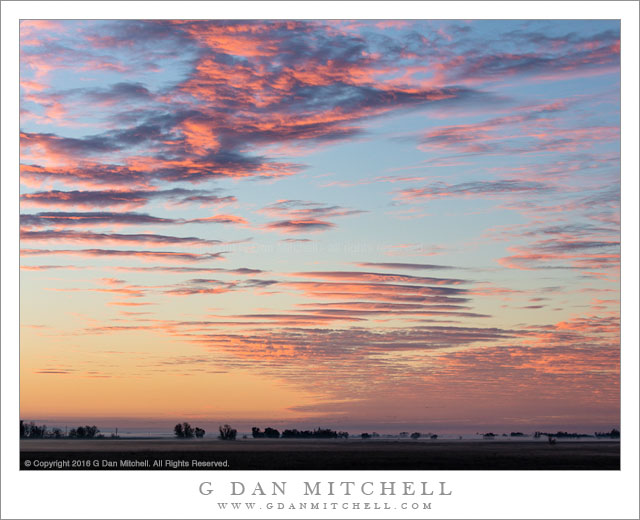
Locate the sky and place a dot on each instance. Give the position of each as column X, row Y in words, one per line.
column 382, row 225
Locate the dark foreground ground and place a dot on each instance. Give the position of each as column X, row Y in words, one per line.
column 123, row 454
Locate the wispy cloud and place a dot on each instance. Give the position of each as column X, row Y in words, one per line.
column 304, row 216
column 146, row 239
column 129, row 199
column 169, row 256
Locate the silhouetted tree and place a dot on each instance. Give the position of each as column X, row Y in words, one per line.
column 434, row 437
column 57, row 433
column 33, row 431
column 91, row 431
column 257, row 434
column 365, row 435
column 415, row 435
column 227, row 433
column 187, row 429
column 22, row 430
column 271, row 433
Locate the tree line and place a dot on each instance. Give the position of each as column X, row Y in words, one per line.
column 318, row 433
column 613, row 434
column 31, row 430
column 186, row 431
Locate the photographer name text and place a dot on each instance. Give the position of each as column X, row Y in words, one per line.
column 329, row 488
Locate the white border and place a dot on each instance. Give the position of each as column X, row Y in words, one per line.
column 481, row 494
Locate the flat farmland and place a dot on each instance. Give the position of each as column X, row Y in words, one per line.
column 314, row 454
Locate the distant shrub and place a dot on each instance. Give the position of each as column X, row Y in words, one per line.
column 415, row 435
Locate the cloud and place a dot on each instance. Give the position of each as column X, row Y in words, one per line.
column 306, row 209
column 476, row 188
column 244, row 86
column 140, row 239
column 170, row 256
column 594, row 258
column 180, row 270
column 130, row 304
column 378, row 277
column 90, row 218
column 129, row 198
column 219, row 219
column 64, row 219
column 529, row 129
column 303, row 216
column 205, row 200
column 592, row 249
column 141, row 171
column 550, row 58
column 373, row 290
column 113, row 286
column 299, row 226
column 401, row 265
column 119, row 92
column 212, row 286
column 48, row 267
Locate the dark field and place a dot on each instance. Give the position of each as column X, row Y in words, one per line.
column 104, row 454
